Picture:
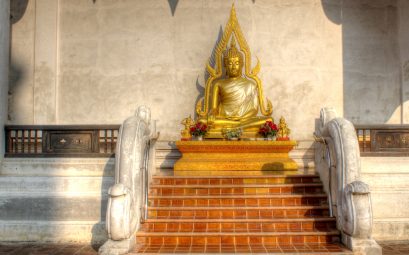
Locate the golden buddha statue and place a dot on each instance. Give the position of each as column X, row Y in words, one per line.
column 187, row 122
column 283, row 130
column 234, row 100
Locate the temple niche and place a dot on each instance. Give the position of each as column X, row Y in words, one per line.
column 94, row 62
column 234, row 108
column 234, row 100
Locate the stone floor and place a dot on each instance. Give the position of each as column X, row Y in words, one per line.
column 395, row 247
column 389, row 248
column 47, row 249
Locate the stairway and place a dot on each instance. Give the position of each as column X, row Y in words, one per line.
column 263, row 213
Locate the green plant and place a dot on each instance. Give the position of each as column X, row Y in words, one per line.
column 232, row 133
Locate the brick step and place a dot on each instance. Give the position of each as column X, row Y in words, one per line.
column 217, row 238
column 237, row 212
column 299, row 249
column 217, row 180
column 244, row 189
column 239, row 225
column 235, row 200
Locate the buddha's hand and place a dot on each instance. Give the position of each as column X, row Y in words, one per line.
column 210, row 119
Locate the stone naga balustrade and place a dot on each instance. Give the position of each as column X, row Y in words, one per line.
column 125, row 202
column 350, row 198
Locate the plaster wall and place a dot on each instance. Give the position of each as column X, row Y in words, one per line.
column 404, row 56
column 4, row 67
column 388, row 178
column 108, row 57
column 371, row 85
column 21, row 84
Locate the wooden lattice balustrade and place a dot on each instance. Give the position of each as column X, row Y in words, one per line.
column 100, row 140
column 61, row 140
column 383, row 140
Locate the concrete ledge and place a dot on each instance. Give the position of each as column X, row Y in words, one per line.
column 390, row 205
column 39, row 184
column 53, row 208
column 385, row 165
column 388, row 178
column 387, row 181
column 391, row 229
column 53, row 231
column 58, row 167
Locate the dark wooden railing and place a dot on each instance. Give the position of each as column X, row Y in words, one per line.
column 61, row 140
column 383, row 140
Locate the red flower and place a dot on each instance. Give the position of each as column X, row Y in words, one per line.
column 198, row 129
column 268, row 129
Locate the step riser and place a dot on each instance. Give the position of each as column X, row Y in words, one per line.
column 171, row 191
column 53, row 208
column 229, row 181
column 236, row 240
column 238, row 202
column 238, row 227
column 237, row 213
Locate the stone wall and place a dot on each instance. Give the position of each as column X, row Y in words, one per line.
column 94, row 62
column 54, row 199
column 372, row 87
column 404, row 55
column 388, row 178
column 4, row 67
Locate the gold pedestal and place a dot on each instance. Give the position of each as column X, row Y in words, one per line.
column 251, row 133
column 213, row 155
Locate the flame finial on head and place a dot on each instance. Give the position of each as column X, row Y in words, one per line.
column 233, row 52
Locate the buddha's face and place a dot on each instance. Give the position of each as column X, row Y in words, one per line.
column 233, row 67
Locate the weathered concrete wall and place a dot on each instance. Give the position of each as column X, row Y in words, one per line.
column 4, row 67
column 372, row 87
column 388, row 178
column 404, row 55
column 108, row 57
column 54, row 199
column 22, row 62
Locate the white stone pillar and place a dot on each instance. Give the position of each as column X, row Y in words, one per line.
column 4, row 68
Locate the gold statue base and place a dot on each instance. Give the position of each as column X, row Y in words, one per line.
column 211, row 155
column 249, row 133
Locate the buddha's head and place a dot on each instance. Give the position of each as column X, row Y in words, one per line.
column 233, row 60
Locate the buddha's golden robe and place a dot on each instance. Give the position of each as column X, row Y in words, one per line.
column 237, row 99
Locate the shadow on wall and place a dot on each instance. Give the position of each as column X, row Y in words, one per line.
column 174, row 3
column 16, row 72
column 99, row 234
column 212, row 61
column 16, row 75
column 17, row 10
column 370, row 58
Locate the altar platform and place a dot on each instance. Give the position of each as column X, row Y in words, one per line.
column 217, row 155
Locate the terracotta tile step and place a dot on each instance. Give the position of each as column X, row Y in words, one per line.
column 205, row 190
column 246, row 200
column 299, row 249
column 305, row 219
column 218, row 180
column 237, row 212
column 239, row 225
column 217, row 238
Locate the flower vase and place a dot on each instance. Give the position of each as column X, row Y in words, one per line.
column 199, row 138
column 269, row 138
